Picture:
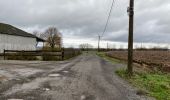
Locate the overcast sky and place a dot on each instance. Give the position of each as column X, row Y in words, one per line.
column 81, row 20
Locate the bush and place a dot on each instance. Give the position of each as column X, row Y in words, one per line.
column 21, row 57
column 51, row 49
column 51, row 58
column 71, row 52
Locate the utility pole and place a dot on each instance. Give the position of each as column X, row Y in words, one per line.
column 130, row 39
column 99, row 43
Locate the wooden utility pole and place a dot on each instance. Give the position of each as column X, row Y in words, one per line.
column 130, row 39
column 99, row 43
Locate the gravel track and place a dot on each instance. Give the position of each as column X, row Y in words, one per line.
column 86, row 77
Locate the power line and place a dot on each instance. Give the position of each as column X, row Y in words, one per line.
column 108, row 18
column 107, row 21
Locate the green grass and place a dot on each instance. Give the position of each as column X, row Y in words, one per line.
column 153, row 84
column 157, row 85
column 104, row 56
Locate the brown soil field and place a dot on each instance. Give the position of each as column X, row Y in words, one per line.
column 153, row 59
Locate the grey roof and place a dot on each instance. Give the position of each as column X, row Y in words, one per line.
column 11, row 30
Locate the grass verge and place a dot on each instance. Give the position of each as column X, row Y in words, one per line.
column 153, row 84
column 104, row 56
column 156, row 84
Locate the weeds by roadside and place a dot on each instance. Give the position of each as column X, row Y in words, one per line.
column 157, row 85
column 154, row 84
column 103, row 55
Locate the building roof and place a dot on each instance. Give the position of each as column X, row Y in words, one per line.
column 11, row 30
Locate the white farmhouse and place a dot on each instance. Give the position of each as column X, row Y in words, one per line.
column 12, row 38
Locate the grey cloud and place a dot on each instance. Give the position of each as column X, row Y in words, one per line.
column 86, row 18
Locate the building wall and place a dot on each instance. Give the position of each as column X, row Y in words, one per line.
column 11, row 42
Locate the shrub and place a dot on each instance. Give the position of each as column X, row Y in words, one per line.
column 20, row 57
column 51, row 58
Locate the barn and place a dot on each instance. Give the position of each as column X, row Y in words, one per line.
column 12, row 38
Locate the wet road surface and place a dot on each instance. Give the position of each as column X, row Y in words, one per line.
column 86, row 77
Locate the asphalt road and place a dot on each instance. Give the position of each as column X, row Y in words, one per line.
column 86, row 77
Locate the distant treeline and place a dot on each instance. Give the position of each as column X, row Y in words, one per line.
column 154, row 49
column 137, row 49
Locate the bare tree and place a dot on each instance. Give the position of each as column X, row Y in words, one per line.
column 53, row 37
column 82, row 46
column 85, row 46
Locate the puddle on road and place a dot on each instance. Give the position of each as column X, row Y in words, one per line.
column 65, row 71
column 7, row 74
column 27, row 71
column 54, row 75
column 62, row 74
column 35, row 84
column 87, row 96
column 46, row 89
column 83, row 97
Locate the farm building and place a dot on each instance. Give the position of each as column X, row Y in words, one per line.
column 12, row 38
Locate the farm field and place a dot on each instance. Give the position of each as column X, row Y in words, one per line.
column 159, row 60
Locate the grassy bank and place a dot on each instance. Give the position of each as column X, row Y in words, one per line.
column 103, row 55
column 153, row 84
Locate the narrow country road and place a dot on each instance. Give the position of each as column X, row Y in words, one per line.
column 86, row 77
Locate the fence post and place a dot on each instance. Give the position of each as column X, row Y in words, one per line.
column 4, row 54
column 62, row 55
column 22, row 53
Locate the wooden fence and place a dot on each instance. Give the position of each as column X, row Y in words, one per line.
column 61, row 54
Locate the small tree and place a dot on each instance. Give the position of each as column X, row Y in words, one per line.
column 53, row 37
column 82, row 46
column 85, row 46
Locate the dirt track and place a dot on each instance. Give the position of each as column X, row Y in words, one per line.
column 86, row 77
